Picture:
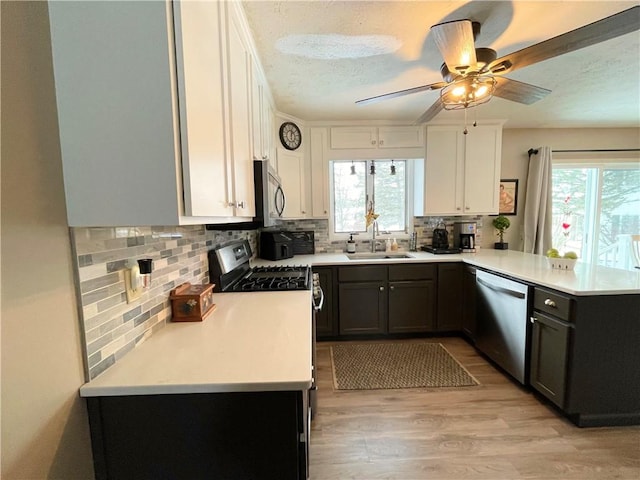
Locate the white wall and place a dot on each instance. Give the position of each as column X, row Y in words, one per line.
column 515, row 162
column 45, row 431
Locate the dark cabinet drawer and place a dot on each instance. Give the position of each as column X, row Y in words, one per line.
column 411, row 272
column 364, row 273
column 552, row 303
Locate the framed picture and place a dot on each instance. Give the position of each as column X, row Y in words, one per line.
column 508, row 196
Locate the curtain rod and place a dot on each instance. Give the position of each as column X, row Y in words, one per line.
column 534, row 151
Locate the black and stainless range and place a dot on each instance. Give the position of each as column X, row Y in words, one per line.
column 230, row 271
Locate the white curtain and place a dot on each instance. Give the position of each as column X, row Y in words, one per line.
column 537, row 207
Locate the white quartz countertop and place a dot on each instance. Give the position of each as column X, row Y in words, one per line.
column 252, row 342
column 585, row 279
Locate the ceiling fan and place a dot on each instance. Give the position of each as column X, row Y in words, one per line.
column 472, row 76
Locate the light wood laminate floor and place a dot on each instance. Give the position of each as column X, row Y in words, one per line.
column 494, row 431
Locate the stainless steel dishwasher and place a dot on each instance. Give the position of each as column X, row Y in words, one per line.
column 503, row 310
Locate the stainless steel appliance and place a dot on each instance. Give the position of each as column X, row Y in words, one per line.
column 270, row 200
column 275, row 245
column 503, row 312
column 464, row 236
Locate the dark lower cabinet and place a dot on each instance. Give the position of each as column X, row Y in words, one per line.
column 411, row 306
column 362, row 308
column 325, row 325
column 585, row 356
column 549, row 350
column 386, row 299
column 449, row 297
column 469, row 298
column 209, row 435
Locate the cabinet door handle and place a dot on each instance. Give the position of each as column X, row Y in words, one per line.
column 373, row 142
column 550, row 303
column 532, row 319
column 241, row 204
column 381, row 142
column 381, row 289
column 458, row 208
column 392, row 287
column 231, row 204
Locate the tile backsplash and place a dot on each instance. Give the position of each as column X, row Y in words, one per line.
column 111, row 326
column 423, row 226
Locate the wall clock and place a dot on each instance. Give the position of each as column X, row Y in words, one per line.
column 290, row 135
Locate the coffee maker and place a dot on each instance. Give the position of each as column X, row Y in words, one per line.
column 464, row 236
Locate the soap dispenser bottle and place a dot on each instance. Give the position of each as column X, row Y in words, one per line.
column 351, row 245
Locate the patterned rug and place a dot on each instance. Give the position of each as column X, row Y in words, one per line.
column 370, row 366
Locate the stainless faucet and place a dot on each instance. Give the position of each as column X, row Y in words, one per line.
column 374, row 231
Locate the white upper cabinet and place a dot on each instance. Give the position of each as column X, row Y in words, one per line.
column 354, row 137
column 153, row 108
column 207, row 172
column 262, row 119
column 318, row 145
column 462, row 172
column 294, row 176
column 239, row 86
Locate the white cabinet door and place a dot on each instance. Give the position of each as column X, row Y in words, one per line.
column 293, row 175
column 256, row 113
column 377, row 137
column 400, row 137
column 319, row 172
column 200, row 88
column 482, row 170
column 444, row 164
column 354, row 137
column 462, row 172
column 239, row 61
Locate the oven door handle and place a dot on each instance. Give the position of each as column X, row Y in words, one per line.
column 318, row 307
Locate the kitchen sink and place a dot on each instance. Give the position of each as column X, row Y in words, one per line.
column 376, row 256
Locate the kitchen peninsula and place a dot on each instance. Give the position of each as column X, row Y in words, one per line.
column 205, row 394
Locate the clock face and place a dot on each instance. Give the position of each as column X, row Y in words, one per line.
column 290, row 135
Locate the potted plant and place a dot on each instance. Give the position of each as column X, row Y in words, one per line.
column 501, row 223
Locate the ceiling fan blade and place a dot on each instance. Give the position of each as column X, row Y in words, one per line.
column 518, row 91
column 431, row 112
column 401, row 93
column 614, row 26
column 455, row 41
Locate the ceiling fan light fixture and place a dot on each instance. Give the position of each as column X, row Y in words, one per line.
column 467, row 92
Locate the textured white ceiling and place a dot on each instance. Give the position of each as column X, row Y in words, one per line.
column 321, row 56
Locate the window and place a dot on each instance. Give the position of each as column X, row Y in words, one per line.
column 596, row 209
column 354, row 189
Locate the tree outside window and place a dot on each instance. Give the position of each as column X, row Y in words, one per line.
column 352, row 193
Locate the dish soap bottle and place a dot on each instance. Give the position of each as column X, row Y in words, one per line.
column 394, row 245
column 351, row 245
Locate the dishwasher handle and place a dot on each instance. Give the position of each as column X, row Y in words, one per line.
column 501, row 289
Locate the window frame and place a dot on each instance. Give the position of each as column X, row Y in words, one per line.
column 409, row 202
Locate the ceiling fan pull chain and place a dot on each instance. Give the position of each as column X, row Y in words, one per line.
column 465, row 131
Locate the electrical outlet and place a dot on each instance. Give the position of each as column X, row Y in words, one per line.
column 133, row 283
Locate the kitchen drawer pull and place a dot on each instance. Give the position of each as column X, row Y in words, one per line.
column 550, row 303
